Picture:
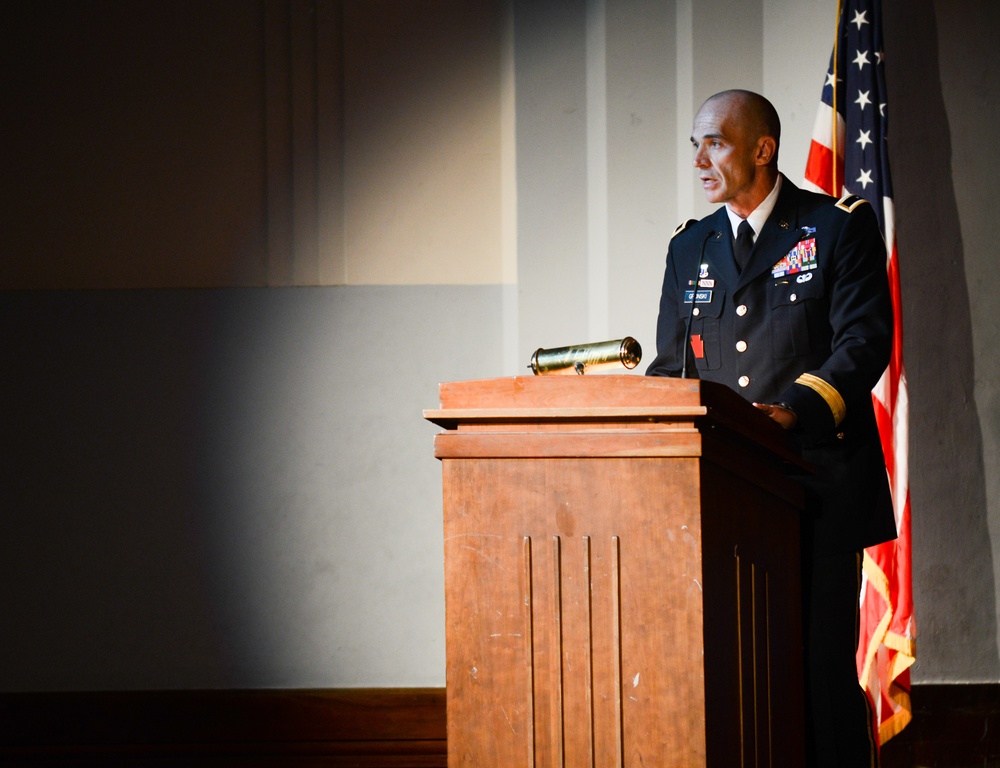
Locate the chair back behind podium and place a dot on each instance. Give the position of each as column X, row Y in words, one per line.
column 621, row 575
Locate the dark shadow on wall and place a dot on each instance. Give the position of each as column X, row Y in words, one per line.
column 228, row 488
column 103, row 563
column 953, row 570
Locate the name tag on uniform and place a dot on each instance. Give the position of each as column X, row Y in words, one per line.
column 703, row 297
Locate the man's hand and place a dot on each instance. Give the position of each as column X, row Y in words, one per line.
column 783, row 416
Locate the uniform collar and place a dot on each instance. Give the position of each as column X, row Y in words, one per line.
column 759, row 214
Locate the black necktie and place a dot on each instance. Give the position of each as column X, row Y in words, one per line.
column 743, row 244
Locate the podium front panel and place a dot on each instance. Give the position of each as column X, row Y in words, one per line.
column 574, row 610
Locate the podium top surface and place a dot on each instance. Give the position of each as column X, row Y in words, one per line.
column 607, row 399
column 601, row 390
column 577, row 396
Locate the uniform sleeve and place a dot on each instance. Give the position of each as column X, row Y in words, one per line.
column 670, row 328
column 861, row 320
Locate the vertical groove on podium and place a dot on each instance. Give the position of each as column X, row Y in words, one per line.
column 529, row 642
column 590, row 642
column 753, row 646
column 763, row 741
column 575, row 646
column 767, row 667
column 559, row 726
column 616, row 593
column 739, row 658
column 754, row 656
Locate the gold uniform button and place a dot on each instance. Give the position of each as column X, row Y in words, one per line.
column 744, row 381
column 741, row 310
column 741, row 346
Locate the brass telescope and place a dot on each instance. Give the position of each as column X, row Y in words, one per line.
column 587, row 357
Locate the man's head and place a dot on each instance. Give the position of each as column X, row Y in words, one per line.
column 735, row 138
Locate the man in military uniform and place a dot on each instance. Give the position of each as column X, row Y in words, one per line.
column 782, row 295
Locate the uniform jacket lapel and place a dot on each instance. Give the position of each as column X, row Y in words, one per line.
column 719, row 250
column 778, row 236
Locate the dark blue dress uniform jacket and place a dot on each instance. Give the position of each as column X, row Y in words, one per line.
column 807, row 323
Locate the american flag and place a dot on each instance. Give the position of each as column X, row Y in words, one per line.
column 849, row 153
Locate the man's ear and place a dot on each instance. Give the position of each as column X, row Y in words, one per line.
column 766, row 147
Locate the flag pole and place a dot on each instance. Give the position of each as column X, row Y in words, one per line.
column 834, row 187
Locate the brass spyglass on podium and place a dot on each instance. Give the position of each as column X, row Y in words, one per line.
column 587, row 357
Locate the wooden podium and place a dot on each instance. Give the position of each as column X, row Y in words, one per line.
column 621, row 575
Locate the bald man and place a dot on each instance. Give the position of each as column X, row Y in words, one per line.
column 782, row 295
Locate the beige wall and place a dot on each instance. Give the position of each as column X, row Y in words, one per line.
column 274, row 143
column 422, row 173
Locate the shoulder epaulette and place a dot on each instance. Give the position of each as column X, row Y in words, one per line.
column 682, row 227
column 850, row 202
